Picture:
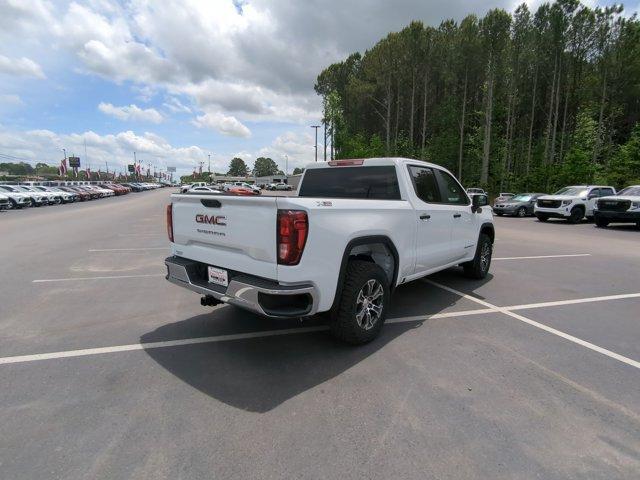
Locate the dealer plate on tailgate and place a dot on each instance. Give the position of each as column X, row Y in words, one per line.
column 218, row 276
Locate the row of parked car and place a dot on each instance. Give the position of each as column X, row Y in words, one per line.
column 236, row 188
column 16, row 196
column 600, row 203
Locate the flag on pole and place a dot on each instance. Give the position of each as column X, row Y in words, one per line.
column 63, row 167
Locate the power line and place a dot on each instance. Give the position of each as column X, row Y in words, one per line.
column 5, row 155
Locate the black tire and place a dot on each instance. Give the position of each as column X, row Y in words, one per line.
column 602, row 223
column 521, row 212
column 13, row 204
column 343, row 323
column 499, row 214
column 542, row 218
column 478, row 268
column 576, row 215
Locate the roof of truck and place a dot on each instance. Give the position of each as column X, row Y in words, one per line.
column 377, row 161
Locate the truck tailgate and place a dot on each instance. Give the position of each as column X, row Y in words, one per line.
column 232, row 232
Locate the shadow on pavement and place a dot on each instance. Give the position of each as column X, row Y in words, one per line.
column 259, row 374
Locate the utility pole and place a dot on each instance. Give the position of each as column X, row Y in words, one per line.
column 316, row 127
column 209, row 170
column 325, row 141
column 286, row 165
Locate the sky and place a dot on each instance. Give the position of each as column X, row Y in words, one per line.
column 177, row 81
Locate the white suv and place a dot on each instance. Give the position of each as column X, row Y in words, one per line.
column 571, row 203
column 622, row 208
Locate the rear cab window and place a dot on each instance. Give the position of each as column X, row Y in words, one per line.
column 361, row 182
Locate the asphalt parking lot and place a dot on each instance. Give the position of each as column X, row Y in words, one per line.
column 109, row 371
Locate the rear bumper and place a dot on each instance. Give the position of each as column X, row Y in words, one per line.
column 622, row 217
column 259, row 295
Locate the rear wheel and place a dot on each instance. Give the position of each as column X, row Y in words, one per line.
column 521, row 212
column 478, row 268
column 362, row 307
column 602, row 223
column 576, row 215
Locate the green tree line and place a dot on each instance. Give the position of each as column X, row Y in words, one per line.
column 522, row 101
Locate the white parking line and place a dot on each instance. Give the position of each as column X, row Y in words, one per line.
column 541, row 326
column 542, row 256
column 152, row 345
column 127, row 249
column 71, row 279
column 560, row 303
column 489, row 308
column 463, row 313
column 219, row 338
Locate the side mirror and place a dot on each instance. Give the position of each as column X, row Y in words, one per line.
column 478, row 201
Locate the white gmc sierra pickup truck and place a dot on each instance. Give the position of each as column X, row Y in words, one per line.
column 355, row 231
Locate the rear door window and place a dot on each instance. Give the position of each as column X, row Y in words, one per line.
column 425, row 183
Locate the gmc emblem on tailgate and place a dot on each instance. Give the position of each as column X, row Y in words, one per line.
column 211, row 219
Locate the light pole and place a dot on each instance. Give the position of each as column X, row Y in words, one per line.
column 316, row 127
column 286, row 165
column 209, row 170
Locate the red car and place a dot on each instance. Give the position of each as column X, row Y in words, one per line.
column 242, row 191
column 117, row 189
column 83, row 196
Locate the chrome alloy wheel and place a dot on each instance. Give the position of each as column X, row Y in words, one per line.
column 369, row 304
column 485, row 256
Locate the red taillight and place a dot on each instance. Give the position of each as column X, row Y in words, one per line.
column 170, row 221
column 293, row 227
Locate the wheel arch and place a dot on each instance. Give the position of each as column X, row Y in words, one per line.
column 355, row 249
column 489, row 229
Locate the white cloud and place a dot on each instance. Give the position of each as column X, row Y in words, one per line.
column 176, row 106
column 131, row 112
column 11, row 99
column 298, row 147
column 23, row 67
column 116, row 149
column 224, row 124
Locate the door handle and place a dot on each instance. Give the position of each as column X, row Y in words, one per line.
column 457, row 215
column 424, row 216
